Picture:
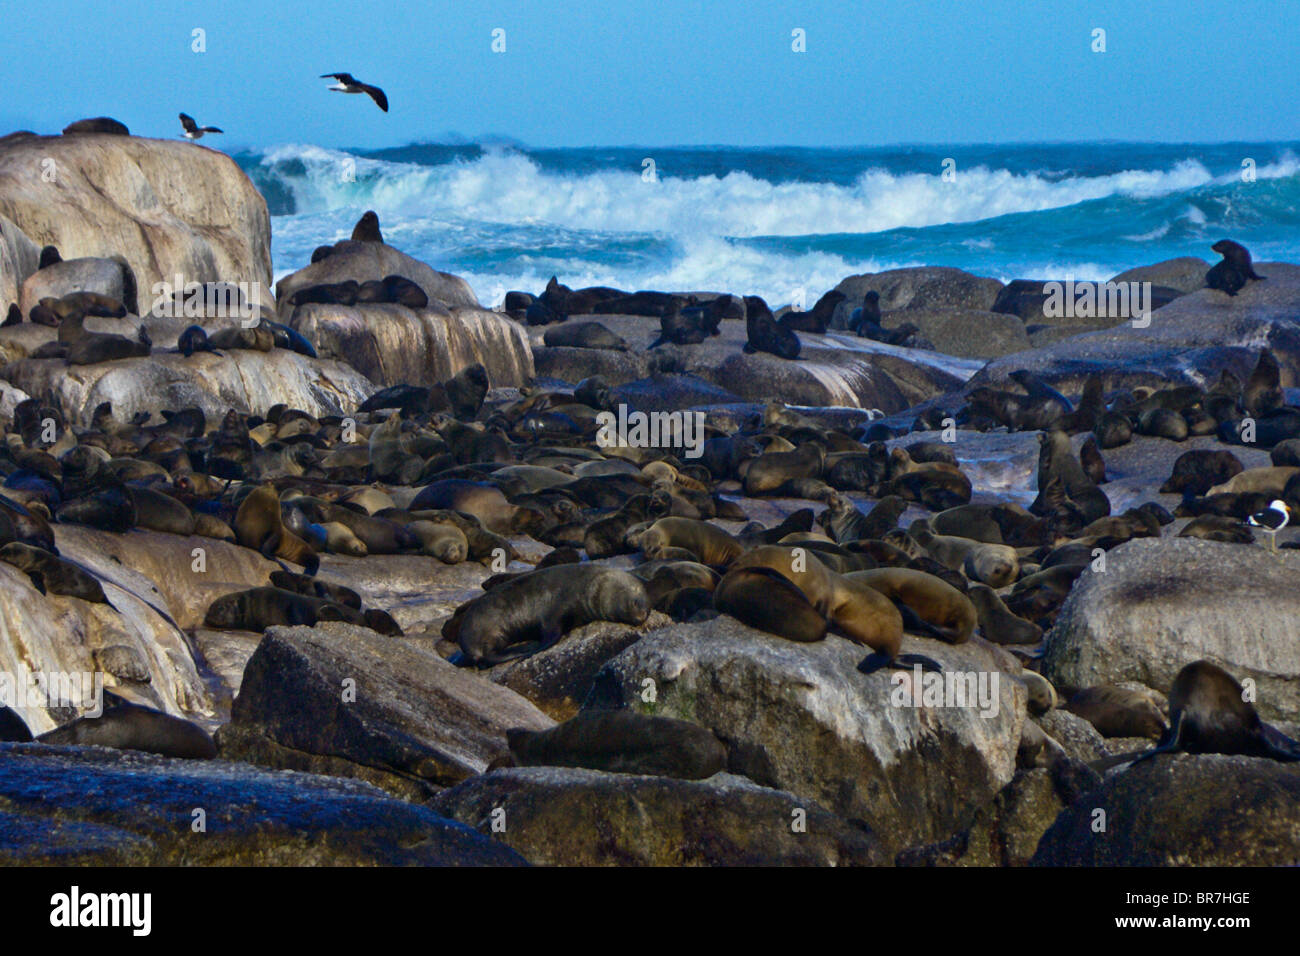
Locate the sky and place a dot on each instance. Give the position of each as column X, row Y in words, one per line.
column 668, row 72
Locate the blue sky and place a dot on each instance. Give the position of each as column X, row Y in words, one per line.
column 667, row 72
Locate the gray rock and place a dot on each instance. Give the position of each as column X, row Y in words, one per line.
column 1004, row 833
column 1184, row 810
column 562, row 816
column 364, row 261
column 1186, row 274
column 391, row 344
column 1190, row 340
column 922, row 287
column 1078, row 738
column 416, row 724
column 19, row 257
column 94, row 806
column 800, row 717
column 1163, row 603
column 967, row 333
column 109, row 276
column 166, row 207
column 241, row 379
column 559, row 678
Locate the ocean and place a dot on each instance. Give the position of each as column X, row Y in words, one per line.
column 778, row 222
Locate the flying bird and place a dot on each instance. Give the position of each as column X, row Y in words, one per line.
column 349, row 84
column 193, row 130
column 1272, row 520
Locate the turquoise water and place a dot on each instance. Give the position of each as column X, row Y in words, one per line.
column 772, row 221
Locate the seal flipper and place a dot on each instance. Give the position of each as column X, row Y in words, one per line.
column 1280, row 746
column 874, row 662
column 1169, row 743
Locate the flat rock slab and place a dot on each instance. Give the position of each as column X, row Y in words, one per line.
column 562, row 816
column 94, row 806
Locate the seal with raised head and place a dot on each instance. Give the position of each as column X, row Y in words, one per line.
column 260, row 526
column 367, row 228
column 532, row 612
column 765, row 334
column 622, row 741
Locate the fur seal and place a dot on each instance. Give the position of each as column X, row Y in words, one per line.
column 193, row 339
column 236, row 337
column 1196, row 472
column 996, row 621
column 765, row 334
column 532, row 612
column 851, row 608
column 816, row 319
column 49, row 256
column 1231, row 274
column 126, row 726
column 622, row 741
column 259, row 525
column 929, row 605
column 1118, row 711
column 367, row 228
column 466, row 391
column 583, row 335
column 256, row 609
column 708, row 544
column 1208, row 715
column 51, row 574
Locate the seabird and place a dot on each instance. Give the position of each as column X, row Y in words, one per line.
column 349, row 84
column 1272, row 520
column 193, row 130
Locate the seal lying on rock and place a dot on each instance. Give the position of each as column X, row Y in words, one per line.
column 126, row 726
column 532, row 612
column 622, row 741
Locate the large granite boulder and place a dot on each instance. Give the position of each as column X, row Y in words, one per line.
column 800, row 717
column 1162, row 603
column 391, row 344
column 19, row 257
column 344, row 700
column 1207, row 810
column 562, row 816
column 836, row 369
column 247, row 380
column 364, row 261
column 80, row 806
column 927, row 287
column 137, row 645
column 168, row 208
column 107, row 276
column 1190, row 340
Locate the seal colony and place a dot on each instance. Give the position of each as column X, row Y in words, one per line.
column 796, row 528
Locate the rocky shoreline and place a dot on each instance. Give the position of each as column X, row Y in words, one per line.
column 412, row 659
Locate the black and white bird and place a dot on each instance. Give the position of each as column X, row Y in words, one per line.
column 347, row 83
column 193, row 130
column 1272, row 520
